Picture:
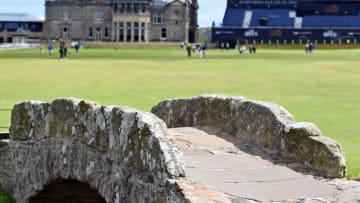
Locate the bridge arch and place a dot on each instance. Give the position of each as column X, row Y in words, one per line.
column 66, row 190
column 123, row 154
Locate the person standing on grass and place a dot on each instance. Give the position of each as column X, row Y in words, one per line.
column 50, row 49
column 61, row 51
column 42, row 49
column 311, row 47
column 222, row 45
column 202, row 50
column 182, row 45
column 193, row 48
column 76, row 47
column 65, row 51
column 188, row 50
column 307, row 48
column 254, row 49
column 242, row 49
column 62, row 48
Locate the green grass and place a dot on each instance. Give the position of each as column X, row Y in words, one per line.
column 323, row 88
column 5, row 197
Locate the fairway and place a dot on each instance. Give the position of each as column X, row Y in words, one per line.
column 323, row 88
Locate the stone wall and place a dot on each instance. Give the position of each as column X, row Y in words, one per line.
column 264, row 125
column 80, row 20
column 125, row 154
column 177, row 18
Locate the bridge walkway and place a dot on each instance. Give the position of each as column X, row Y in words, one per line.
column 223, row 163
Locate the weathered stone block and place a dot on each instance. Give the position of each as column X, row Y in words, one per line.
column 62, row 119
column 304, row 141
column 98, row 145
column 21, row 126
column 264, row 125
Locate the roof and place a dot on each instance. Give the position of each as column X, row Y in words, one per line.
column 163, row 3
column 159, row 3
column 18, row 17
column 20, row 32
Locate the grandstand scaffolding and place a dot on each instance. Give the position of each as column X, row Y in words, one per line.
column 289, row 21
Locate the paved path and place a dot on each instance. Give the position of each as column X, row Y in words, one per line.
column 217, row 162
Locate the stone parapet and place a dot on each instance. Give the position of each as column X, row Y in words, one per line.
column 264, row 125
column 125, row 154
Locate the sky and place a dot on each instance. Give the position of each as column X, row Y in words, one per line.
column 210, row 10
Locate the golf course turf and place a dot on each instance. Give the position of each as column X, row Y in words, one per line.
column 323, row 87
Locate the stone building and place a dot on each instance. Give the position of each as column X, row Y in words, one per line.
column 121, row 20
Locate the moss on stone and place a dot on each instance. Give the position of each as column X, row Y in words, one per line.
column 20, row 122
column 5, row 197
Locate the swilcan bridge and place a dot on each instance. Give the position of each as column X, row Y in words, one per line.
column 72, row 150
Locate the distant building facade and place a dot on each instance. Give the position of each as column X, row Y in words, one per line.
column 16, row 27
column 289, row 22
column 121, row 20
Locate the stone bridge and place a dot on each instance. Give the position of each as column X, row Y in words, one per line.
column 77, row 150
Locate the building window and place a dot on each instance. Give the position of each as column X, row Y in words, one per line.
column 106, row 32
column 136, row 32
column 158, row 18
column 129, row 7
column 90, row 32
column 11, row 26
column 136, row 7
column 121, row 31
column 128, row 31
column 143, row 32
column 98, row 15
column 163, row 33
column 143, row 7
column 35, row 27
column 25, row 26
column 65, row 15
column 121, row 7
